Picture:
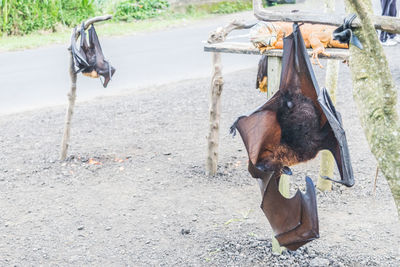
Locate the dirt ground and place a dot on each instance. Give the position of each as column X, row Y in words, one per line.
column 134, row 191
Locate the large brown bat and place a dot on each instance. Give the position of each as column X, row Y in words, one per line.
column 89, row 58
column 292, row 127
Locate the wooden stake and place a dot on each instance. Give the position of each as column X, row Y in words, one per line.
column 327, row 162
column 215, row 113
column 274, row 78
column 376, row 178
column 217, row 82
column 274, row 75
column 70, row 110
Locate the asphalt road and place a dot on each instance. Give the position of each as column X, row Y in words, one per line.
column 39, row 77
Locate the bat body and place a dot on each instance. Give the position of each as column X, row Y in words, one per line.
column 89, row 58
column 292, row 127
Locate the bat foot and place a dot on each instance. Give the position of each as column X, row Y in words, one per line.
column 286, row 170
column 232, row 129
column 267, row 166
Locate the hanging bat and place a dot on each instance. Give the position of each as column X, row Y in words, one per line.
column 292, row 127
column 89, row 58
column 262, row 74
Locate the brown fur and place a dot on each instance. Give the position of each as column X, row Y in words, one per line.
column 301, row 136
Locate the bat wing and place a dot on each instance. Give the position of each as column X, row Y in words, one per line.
column 298, row 74
column 260, row 133
column 336, row 141
column 79, row 56
column 294, row 220
column 102, row 66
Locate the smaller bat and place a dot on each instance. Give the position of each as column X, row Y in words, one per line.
column 89, row 58
column 262, row 74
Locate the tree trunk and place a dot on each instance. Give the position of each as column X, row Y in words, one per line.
column 375, row 95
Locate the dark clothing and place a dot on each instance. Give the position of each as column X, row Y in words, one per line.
column 388, row 9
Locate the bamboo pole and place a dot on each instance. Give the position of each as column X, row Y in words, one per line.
column 331, row 79
column 72, row 93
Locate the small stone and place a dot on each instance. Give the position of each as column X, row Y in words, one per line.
column 318, row 262
column 81, row 227
column 185, row 231
column 108, row 228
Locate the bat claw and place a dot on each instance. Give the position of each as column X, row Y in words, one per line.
column 286, row 170
column 232, row 129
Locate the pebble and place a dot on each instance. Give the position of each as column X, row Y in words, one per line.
column 185, row 231
column 81, row 227
column 108, row 228
column 318, row 262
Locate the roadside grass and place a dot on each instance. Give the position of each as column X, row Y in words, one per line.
column 172, row 18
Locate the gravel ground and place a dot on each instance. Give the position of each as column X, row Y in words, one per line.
column 134, row 192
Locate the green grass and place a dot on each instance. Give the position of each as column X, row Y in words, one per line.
column 113, row 28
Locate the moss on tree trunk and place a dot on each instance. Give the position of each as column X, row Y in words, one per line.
column 375, row 94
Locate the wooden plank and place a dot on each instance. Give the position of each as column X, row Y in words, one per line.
column 389, row 24
column 248, row 48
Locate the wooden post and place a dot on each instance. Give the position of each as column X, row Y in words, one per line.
column 215, row 113
column 72, row 93
column 70, row 110
column 331, row 79
column 274, row 78
column 217, row 82
column 274, row 75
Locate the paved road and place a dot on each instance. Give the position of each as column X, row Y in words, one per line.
column 39, row 77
